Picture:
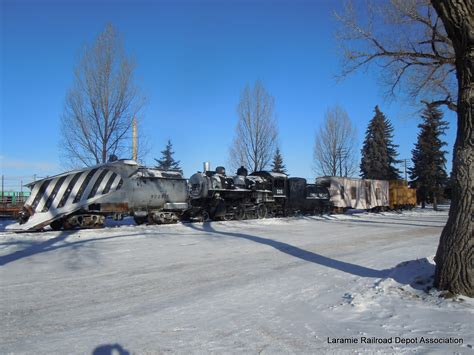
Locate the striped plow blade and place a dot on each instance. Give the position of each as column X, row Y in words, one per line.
column 53, row 198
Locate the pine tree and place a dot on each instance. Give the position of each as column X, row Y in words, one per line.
column 378, row 152
column 428, row 174
column 167, row 161
column 277, row 163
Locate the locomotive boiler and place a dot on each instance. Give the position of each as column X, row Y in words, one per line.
column 83, row 198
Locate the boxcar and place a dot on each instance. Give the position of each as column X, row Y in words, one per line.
column 401, row 196
column 346, row 193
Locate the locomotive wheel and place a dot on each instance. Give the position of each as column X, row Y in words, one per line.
column 56, row 225
column 261, row 211
column 239, row 213
column 140, row 220
column 317, row 211
column 205, row 216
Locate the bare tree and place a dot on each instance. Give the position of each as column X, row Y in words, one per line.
column 101, row 104
column 440, row 53
column 408, row 41
column 455, row 254
column 334, row 145
column 256, row 132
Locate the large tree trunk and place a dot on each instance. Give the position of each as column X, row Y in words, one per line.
column 454, row 257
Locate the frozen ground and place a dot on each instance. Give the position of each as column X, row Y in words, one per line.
column 290, row 285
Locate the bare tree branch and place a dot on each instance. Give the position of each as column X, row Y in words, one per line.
column 256, row 132
column 100, row 106
column 406, row 38
column 334, row 145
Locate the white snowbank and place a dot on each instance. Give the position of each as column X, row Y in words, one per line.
column 291, row 285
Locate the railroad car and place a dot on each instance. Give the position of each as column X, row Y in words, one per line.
column 83, row 198
column 349, row 193
column 306, row 198
column 401, row 196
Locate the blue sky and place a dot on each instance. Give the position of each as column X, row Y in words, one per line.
column 193, row 60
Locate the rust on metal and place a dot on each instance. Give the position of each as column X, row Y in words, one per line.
column 114, row 207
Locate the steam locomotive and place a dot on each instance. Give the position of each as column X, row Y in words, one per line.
column 258, row 195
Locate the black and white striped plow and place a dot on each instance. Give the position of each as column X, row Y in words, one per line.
column 62, row 195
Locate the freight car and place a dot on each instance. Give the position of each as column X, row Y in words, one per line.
column 11, row 203
column 349, row 193
column 401, row 196
column 83, row 198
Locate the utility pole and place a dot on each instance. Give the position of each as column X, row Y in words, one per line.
column 134, row 138
column 338, row 157
column 405, row 168
column 342, row 153
column 3, row 184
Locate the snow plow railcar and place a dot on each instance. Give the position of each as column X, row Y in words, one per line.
column 83, row 198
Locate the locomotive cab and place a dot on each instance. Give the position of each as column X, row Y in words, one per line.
column 274, row 182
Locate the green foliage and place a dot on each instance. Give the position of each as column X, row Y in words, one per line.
column 428, row 174
column 378, row 152
column 167, row 161
column 277, row 163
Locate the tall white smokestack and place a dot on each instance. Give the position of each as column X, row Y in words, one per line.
column 134, row 139
column 206, row 166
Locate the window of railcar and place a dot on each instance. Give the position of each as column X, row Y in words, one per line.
column 377, row 193
column 342, row 191
column 279, row 183
column 353, row 192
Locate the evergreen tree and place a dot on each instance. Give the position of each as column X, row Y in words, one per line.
column 428, row 174
column 277, row 163
column 378, row 152
column 167, row 161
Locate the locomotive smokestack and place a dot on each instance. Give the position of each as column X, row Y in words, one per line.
column 206, row 166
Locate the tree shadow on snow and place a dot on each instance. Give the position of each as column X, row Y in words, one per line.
column 400, row 275
column 33, row 247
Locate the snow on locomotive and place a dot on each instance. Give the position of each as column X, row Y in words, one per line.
column 83, row 198
column 215, row 195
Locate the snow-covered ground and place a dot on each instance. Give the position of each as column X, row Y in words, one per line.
column 291, row 285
